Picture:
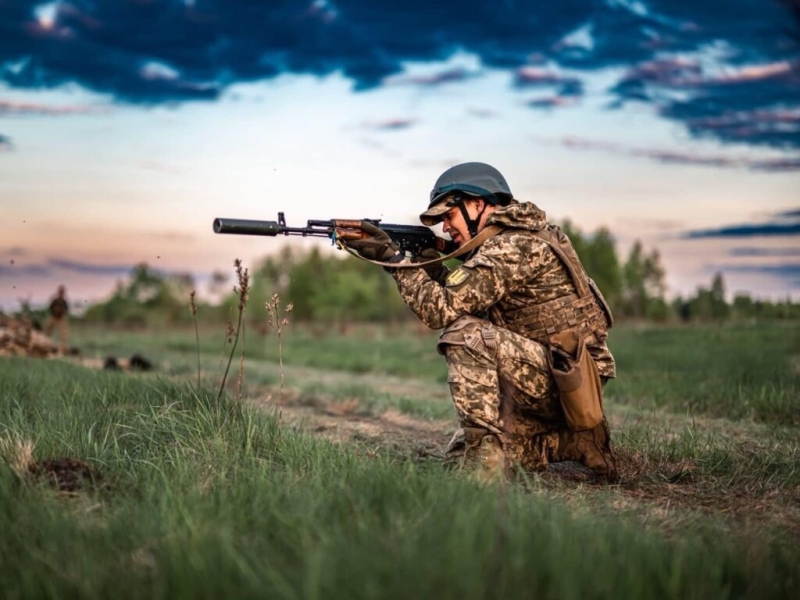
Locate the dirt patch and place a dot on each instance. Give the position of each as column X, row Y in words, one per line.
column 340, row 422
column 67, row 475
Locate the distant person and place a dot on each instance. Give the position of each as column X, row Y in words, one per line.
column 57, row 318
column 524, row 329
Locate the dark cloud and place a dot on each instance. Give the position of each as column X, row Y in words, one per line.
column 784, row 223
column 88, row 268
column 9, row 269
column 740, row 231
column 727, row 70
column 757, row 252
column 788, row 272
column 56, row 264
column 788, row 163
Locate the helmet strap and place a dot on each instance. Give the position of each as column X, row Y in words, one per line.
column 472, row 224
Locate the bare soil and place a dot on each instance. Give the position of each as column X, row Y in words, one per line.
column 66, row 475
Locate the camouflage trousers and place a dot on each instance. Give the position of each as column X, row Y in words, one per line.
column 501, row 385
column 60, row 326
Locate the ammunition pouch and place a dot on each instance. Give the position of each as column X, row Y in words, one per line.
column 577, row 379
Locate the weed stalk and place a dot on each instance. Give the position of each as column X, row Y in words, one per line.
column 277, row 323
column 193, row 308
column 242, row 290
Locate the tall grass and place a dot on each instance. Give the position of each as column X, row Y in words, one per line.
column 737, row 371
column 201, row 501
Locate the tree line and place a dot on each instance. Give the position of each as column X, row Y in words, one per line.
column 330, row 287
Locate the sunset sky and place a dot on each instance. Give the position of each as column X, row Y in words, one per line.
column 126, row 126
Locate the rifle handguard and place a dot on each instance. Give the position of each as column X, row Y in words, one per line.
column 482, row 236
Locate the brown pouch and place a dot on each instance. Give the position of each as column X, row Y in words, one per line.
column 577, row 379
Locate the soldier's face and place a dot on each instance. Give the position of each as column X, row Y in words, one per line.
column 454, row 224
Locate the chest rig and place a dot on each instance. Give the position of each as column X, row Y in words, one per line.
column 585, row 311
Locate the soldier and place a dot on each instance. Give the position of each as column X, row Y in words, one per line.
column 57, row 318
column 508, row 314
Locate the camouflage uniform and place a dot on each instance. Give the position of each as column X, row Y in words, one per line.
column 498, row 310
column 57, row 319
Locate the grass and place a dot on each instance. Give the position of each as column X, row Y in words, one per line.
column 742, row 372
column 200, row 498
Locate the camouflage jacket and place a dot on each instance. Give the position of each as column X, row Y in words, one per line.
column 510, row 273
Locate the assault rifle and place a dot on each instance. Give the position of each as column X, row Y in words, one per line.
column 411, row 239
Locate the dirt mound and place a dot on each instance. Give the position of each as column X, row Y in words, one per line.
column 65, row 474
column 18, row 337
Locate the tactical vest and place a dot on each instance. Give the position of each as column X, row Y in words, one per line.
column 585, row 311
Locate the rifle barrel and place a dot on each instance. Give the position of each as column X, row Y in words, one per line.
column 268, row 228
column 247, row 227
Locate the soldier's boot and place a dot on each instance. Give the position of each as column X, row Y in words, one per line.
column 492, row 466
column 475, row 450
column 591, row 448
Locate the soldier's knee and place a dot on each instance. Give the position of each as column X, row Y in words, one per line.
column 459, row 333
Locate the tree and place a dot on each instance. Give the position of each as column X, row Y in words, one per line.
column 643, row 284
column 719, row 307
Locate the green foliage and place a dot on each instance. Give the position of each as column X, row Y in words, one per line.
column 332, row 288
column 147, row 299
column 634, row 289
column 328, row 288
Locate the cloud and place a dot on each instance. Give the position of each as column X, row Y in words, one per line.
column 55, row 264
column 27, row 108
column 88, row 268
column 393, row 124
column 787, row 163
column 13, row 251
column 455, row 75
column 759, row 230
column 789, row 272
column 481, row 112
column 708, row 65
column 758, row 252
column 34, row 270
column 779, row 227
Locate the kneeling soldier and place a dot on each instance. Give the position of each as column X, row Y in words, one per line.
column 524, row 329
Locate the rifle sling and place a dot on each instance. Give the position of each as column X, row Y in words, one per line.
column 483, row 235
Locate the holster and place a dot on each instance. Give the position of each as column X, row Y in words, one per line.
column 577, row 379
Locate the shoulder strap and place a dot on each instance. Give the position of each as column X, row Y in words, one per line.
column 559, row 243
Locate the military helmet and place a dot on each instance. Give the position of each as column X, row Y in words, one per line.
column 472, row 179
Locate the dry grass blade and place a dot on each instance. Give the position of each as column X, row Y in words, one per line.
column 16, row 452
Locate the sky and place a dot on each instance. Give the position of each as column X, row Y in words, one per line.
column 127, row 126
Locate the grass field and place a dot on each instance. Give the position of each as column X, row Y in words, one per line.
column 343, row 496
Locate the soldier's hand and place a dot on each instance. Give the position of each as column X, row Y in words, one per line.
column 436, row 272
column 378, row 246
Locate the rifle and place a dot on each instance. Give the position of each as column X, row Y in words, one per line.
column 411, row 239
